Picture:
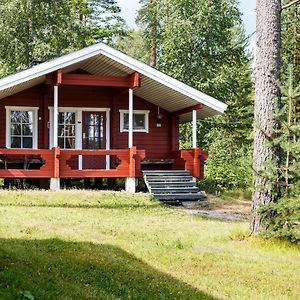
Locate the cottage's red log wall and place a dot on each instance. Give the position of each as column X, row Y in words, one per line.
column 158, row 143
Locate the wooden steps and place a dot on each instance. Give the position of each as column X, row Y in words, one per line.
column 170, row 186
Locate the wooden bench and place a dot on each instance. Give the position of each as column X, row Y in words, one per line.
column 157, row 162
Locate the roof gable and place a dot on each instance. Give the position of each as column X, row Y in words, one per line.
column 157, row 87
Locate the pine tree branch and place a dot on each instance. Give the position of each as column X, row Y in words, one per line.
column 290, row 4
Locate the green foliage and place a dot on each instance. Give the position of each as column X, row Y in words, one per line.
column 290, row 46
column 203, row 44
column 282, row 220
column 289, row 135
column 230, row 164
column 41, row 30
column 26, row 295
column 133, row 44
column 287, row 141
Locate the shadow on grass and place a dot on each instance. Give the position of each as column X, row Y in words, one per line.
column 56, row 269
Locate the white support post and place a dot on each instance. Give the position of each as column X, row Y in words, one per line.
column 55, row 117
column 130, row 185
column 130, row 112
column 107, row 158
column 55, row 182
column 194, row 129
column 130, row 181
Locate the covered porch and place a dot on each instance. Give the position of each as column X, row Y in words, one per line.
column 56, row 164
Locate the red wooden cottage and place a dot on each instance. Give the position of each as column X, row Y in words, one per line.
column 97, row 113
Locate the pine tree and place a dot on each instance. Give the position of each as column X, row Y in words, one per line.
column 149, row 17
column 266, row 100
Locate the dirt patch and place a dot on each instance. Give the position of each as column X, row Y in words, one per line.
column 240, row 206
column 231, row 210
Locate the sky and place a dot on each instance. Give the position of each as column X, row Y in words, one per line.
column 129, row 8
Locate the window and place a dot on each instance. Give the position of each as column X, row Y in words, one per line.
column 21, row 129
column 140, row 121
column 66, row 130
column 93, row 131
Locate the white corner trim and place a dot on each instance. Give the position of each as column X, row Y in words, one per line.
column 145, row 112
column 35, row 123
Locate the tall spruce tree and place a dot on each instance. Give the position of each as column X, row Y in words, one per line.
column 290, row 48
column 149, row 19
column 40, row 29
column 289, row 114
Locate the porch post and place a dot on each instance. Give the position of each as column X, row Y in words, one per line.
column 130, row 113
column 194, row 129
column 130, row 181
column 55, row 117
column 107, row 127
column 55, row 182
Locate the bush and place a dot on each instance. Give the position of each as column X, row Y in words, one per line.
column 228, row 168
column 282, row 220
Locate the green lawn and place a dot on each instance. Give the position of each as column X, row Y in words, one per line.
column 98, row 245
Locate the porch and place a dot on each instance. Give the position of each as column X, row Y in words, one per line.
column 127, row 163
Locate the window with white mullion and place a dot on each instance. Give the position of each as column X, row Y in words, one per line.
column 21, row 129
column 66, row 130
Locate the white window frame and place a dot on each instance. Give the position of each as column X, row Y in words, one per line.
column 126, row 111
column 33, row 109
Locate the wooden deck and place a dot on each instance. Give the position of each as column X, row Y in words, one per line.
column 57, row 163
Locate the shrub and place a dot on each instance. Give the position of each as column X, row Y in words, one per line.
column 282, row 220
column 228, row 168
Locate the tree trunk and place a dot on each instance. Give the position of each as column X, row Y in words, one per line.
column 266, row 99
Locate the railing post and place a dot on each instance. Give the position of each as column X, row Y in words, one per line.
column 55, row 180
column 130, row 181
column 196, row 163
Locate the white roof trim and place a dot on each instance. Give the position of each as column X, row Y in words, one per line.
column 88, row 52
column 49, row 66
column 163, row 78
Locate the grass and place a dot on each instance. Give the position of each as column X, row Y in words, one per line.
column 101, row 245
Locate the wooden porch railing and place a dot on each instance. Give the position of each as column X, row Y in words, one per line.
column 191, row 160
column 127, row 167
column 45, row 159
column 53, row 163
